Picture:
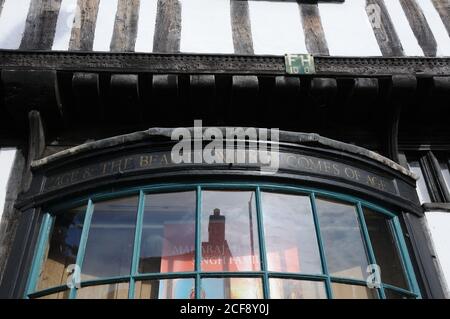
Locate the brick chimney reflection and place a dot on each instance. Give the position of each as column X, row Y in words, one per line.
column 216, row 228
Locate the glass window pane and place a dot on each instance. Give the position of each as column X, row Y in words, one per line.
column 296, row 289
column 342, row 239
column 110, row 241
column 110, row 291
column 58, row 295
column 421, row 186
column 168, row 233
column 385, row 249
column 344, row 291
column 445, row 172
column 62, row 248
column 290, row 235
column 231, row 288
column 229, row 231
column 391, row 294
column 182, row 288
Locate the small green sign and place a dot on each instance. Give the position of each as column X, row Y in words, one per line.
column 299, row 64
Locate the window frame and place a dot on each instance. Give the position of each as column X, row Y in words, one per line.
column 264, row 274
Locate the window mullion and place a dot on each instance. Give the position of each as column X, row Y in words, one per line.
column 44, row 236
column 83, row 243
column 262, row 246
column 369, row 247
column 312, row 198
column 137, row 244
column 401, row 245
column 198, row 243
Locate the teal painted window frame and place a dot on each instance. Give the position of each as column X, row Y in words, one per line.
column 264, row 274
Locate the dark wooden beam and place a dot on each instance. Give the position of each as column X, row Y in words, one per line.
column 125, row 26
column 83, row 29
column 41, row 25
column 1, row 5
column 316, row 42
column 443, row 7
column 242, row 31
column 420, row 27
column 383, row 28
column 168, row 27
column 219, row 64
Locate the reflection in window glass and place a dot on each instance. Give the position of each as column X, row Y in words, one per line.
column 342, row 239
column 344, row 291
column 62, row 248
column 445, row 172
column 229, row 231
column 111, row 291
column 59, row 295
column 110, row 241
column 296, row 289
column 231, row 288
column 290, row 236
column 385, row 249
column 421, row 186
column 165, row 289
column 391, row 294
column 168, row 233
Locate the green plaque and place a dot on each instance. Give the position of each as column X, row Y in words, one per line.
column 299, row 64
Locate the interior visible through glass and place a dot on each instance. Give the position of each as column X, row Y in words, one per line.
column 385, row 249
column 296, row 289
column 342, row 239
column 290, row 235
column 232, row 288
column 62, row 248
column 168, row 233
column 110, row 240
column 233, row 260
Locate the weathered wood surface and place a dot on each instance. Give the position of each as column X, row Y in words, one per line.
column 443, row 8
column 1, row 5
column 83, row 30
column 384, row 30
column 241, row 27
column 40, row 25
column 420, row 27
column 125, row 26
column 316, row 42
column 168, row 27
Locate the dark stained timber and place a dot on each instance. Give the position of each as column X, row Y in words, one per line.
column 1, row 5
column 83, row 29
column 443, row 8
column 383, row 28
column 316, row 42
column 242, row 31
column 125, row 26
column 420, row 27
column 41, row 25
column 168, row 27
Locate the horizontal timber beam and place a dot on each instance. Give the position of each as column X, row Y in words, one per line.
column 218, row 64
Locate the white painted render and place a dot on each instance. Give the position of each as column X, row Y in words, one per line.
column 64, row 25
column 105, row 25
column 276, row 28
column 437, row 27
column 6, row 161
column 146, row 26
column 439, row 226
column 348, row 30
column 401, row 25
column 206, row 26
column 12, row 23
